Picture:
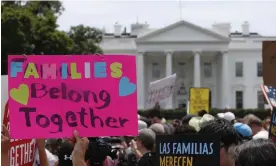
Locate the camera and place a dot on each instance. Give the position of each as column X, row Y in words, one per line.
column 99, row 149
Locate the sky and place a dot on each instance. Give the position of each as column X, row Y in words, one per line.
column 261, row 15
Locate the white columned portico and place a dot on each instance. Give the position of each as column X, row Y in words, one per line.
column 141, row 80
column 225, row 86
column 168, row 73
column 197, row 81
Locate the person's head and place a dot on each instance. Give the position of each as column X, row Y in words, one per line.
column 145, row 140
column 201, row 113
column 142, row 125
column 229, row 116
column 254, row 122
column 228, row 134
column 53, row 145
column 184, row 129
column 155, row 115
column 65, row 154
column 197, row 122
column 157, row 128
column 169, row 129
column 176, row 123
column 258, row 152
column 187, row 118
column 244, row 130
column 148, row 121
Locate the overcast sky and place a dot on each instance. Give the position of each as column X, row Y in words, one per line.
column 260, row 15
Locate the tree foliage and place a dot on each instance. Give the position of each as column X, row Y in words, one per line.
column 86, row 39
column 31, row 28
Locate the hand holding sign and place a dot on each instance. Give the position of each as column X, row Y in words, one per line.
column 81, row 145
column 5, row 140
column 91, row 98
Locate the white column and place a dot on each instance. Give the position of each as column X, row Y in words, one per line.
column 168, row 73
column 197, row 81
column 140, row 80
column 225, row 86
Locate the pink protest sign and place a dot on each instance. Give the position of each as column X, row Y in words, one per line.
column 50, row 96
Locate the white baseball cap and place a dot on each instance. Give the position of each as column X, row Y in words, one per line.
column 196, row 122
column 142, row 125
column 229, row 116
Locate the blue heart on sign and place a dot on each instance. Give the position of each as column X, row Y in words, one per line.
column 126, row 87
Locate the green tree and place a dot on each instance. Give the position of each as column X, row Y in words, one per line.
column 86, row 39
column 31, row 28
column 42, row 7
column 17, row 25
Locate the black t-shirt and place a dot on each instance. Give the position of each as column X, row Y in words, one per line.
column 148, row 159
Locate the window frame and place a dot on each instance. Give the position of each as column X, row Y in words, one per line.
column 259, row 72
column 237, row 73
column 179, row 66
column 239, row 105
column 210, row 69
column 260, row 100
column 155, row 68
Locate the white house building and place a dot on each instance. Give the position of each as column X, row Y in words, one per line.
column 230, row 64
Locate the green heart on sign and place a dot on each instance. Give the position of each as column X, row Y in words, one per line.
column 20, row 94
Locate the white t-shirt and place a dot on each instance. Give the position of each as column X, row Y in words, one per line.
column 263, row 134
column 52, row 159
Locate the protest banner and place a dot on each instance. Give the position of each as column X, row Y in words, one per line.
column 188, row 150
column 270, row 97
column 272, row 129
column 51, row 96
column 269, row 62
column 159, row 91
column 22, row 151
column 198, row 100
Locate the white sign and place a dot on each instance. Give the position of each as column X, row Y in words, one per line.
column 4, row 95
column 159, row 91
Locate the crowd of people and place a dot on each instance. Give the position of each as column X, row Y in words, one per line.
column 243, row 142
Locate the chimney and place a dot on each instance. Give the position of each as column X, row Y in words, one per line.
column 117, row 30
column 245, row 29
column 222, row 28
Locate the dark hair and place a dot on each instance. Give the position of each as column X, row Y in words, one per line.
column 257, row 152
column 148, row 121
column 187, row 118
column 224, row 129
column 155, row 113
column 168, row 128
column 184, row 129
column 201, row 113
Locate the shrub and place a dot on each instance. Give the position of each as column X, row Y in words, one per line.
column 179, row 113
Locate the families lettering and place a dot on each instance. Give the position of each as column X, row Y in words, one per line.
column 60, row 93
column 52, row 71
column 187, row 150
